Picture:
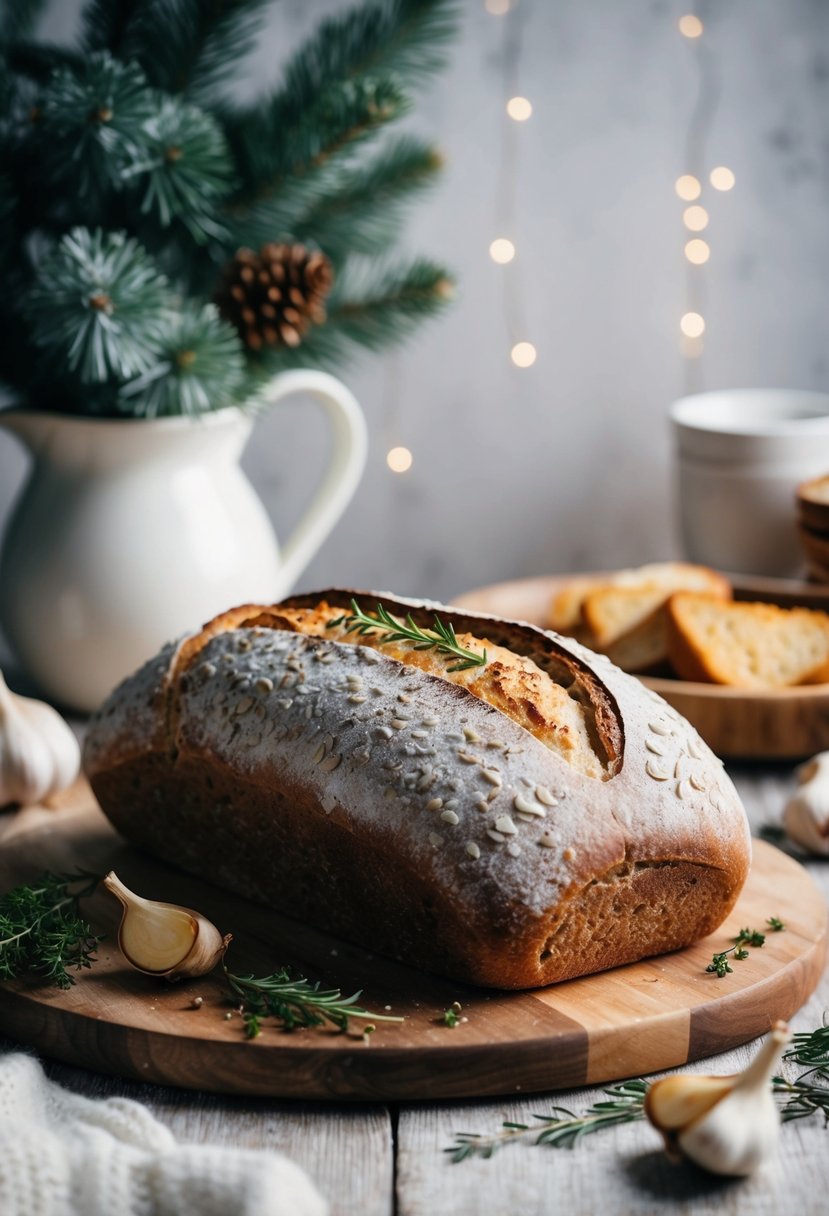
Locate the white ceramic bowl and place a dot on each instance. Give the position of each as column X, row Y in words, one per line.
column 741, row 454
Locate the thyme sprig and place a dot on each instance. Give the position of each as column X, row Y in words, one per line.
column 442, row 638
column 808, row 1094
column 42, row 931
column 295, row 1002
column 746, row 937
column 561, row 1128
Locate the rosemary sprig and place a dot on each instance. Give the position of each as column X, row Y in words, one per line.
column 294, row 1001
column 561, row 1128
column 42, row 931
column 803, row 1098
column 442, row 638
column 746, row 937
column 808, row 1094
column 811, row 1047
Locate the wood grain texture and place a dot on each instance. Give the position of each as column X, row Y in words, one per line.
column 738, row 723
column 646, row 1016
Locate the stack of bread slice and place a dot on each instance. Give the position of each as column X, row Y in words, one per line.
column 672, row 618
column 624, row 614
column 813, row 525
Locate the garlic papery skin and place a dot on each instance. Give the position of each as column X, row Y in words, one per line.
column 39, row 755
column 727, row 1125
column 165, row 940
column 806, row 814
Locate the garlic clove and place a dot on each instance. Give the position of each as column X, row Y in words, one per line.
column 164, row 939
column 39, row 754
column 674, row 1102
column 727, row 1125
column 806, row 814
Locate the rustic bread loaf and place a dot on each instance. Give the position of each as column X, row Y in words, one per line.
column 747, row 645
column 534, row 818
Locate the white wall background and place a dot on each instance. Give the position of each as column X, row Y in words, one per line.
column 566, row 465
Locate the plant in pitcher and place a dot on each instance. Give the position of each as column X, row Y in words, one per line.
column 171, row 248
column 172, row 256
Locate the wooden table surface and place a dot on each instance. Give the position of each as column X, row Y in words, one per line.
column 377, row 1160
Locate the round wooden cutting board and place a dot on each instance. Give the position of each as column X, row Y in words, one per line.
column 634, row 1020
column 737, row 723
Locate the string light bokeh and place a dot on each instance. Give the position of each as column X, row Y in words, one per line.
column 689, row 188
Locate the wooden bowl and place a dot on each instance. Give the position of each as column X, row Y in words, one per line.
column 737, row 723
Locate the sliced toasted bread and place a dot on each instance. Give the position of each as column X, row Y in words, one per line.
column 609, row 613
column 643, row 650
column 746, row 645
column 606, row 620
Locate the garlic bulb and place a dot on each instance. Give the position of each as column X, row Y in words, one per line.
column 39, row 755
column 727, row 1125
column 164, row 939
column 806, row 815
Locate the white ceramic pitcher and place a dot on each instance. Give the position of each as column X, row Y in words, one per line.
column 129, row 533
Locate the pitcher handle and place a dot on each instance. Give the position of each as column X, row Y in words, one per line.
column 345, row 466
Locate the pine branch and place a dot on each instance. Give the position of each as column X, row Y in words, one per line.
column 404, row 38
column 375, row 309
column 18, row 19
column 361, row 213
column 378, row 45
column 201, row 47
column 271, row 152
column 106, row 23
column 37, row 61
column 385, row 309
column 89, row 125
column 98, row 305
column 183, row 169
column 201, row 368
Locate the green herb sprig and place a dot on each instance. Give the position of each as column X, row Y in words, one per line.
column 808, row 1094
column 561, row 1128
column 746, row 937
column 295, row 1002
column 442, row 638
column 42, row 931
column 452, row 1016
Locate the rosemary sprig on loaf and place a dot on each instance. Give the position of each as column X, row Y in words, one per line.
column 442, row 638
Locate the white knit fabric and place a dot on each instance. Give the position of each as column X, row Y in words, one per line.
column 65, row 1155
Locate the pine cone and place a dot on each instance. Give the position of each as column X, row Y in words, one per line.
column 274, row 296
